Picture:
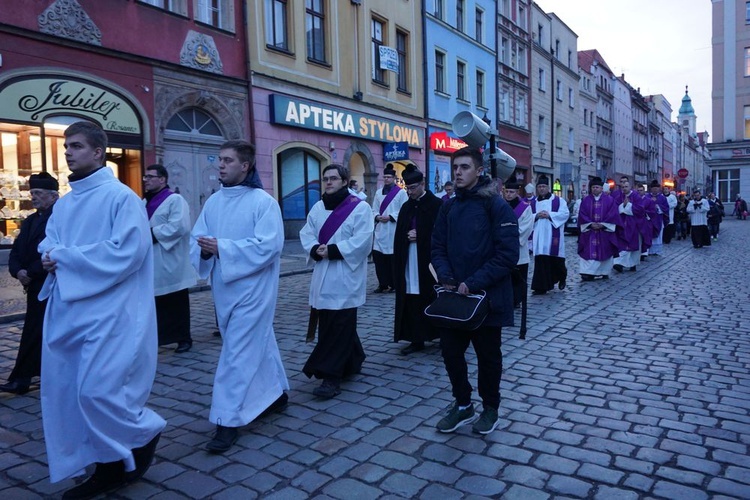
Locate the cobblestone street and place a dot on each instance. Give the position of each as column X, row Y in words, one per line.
column 635, row 387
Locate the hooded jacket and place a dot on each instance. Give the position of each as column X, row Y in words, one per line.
column 475, row 241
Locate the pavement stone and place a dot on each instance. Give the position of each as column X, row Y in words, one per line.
column 651, row 406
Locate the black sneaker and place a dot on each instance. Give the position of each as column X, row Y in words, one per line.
column 223, row 439
column 107, row 477
column 456, row 418
column 328, row 389
column 487, row 422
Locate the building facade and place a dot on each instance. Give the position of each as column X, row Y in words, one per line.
column 587, row 100
column 461, row 60
column 730, row 153
column 334, row 82
column 622, row 132
column 603, row 78
column 170, row 94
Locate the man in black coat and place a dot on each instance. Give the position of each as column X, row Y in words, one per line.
column 412, row 254
column 25, row 264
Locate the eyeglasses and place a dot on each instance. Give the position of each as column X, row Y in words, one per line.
column 413, row 187
column 149, row 176
column 331, row 179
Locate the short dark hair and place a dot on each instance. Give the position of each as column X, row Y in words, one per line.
column 94, row 134
column 352, row 183
column 448, row 183
column 245, row 150
column 342, row 170
column 160, row 170
column 474, row 153
column 625, row 177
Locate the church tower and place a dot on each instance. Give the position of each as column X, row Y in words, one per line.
column 686, row 115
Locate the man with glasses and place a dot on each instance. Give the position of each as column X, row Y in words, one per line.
column 385, row 208
column 412, row 249
column 337, row 237
column 237, row 242
column 169, row 218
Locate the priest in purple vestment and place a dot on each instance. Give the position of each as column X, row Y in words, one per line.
column 661, row 219
column 598, row 219
column 632, row 217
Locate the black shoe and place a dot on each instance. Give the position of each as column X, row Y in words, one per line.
column 18, row 386
column 587, row 277
column 216, row 333
column 277, row 406
column 107, row 477
column 632, row 269
column 412, row 348
column 538, row 292
column 143, row 457
column 643, row 258
column 380, row 289
column 390, row 290
column 605, row 276
column 618, row 267
column 183, row 346
column 223, row 439
column 328, row 389
column 561, row 284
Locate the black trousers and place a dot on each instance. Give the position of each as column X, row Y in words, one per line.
column 700, row 237
column 384, row 269
column 486, row 341
column 669, row 231
column 548, row 271
column 29, row 357
column 338, row 352
column 173, row 317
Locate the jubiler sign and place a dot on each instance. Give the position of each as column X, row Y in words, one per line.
column 33, row 99
column 317, row 116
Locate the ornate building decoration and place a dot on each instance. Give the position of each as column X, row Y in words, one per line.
column 67, row 19
column 199, row 52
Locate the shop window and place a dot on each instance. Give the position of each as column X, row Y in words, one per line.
column 299, row 183
column 194, row 121
column 217, row 13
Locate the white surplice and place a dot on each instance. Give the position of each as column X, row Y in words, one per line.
column 339, row 284
column 386, row 231
column 170, row 225
column 525, row 227
column 542, row 239
column 100, row 346
column 245, row 281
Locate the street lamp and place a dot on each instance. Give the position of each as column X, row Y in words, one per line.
column 476, row 133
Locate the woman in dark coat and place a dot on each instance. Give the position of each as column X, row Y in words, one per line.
column 413, row 240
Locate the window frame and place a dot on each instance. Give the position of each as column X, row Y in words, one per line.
column 271, row 23
column 461, row 80
column 219, row 14
column 480, row 88
column 440, row 58
column 402, row 48
column 479, row 25
column 460, row 21
column 378, row 74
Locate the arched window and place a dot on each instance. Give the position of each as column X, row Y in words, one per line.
column 299, row 183
column 193, row 121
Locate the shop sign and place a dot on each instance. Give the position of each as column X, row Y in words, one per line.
column 441, row 141
column 33, row 99
column 394, row 151
column 317, row 116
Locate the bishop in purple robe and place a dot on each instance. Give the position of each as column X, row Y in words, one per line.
column 598, row 218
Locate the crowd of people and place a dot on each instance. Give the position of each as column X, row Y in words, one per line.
column 108, row 274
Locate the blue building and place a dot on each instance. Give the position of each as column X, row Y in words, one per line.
column 460, row 74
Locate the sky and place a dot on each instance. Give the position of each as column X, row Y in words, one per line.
column 660, row 45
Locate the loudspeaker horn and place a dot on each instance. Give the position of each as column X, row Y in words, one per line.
column 471, row 129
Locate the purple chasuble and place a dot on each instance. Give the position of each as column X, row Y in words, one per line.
column 337, row 217
column 555, row 247
column 629, row 227
column 389, row 198
column 598, row 244
column 157, row 200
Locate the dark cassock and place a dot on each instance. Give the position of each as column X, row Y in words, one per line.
column 24, row 256
column 597, row 246
column 548, row 241
column 647, row 223
column 414, row 281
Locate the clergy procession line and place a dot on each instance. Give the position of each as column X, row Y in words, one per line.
column 104, row 257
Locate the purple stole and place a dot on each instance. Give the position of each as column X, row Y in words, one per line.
column 389, row 198
column 156, row 201
column 520, row 208
column 337, row 217
column 555, row 250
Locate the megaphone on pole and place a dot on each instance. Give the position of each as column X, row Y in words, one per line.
column 476, row 133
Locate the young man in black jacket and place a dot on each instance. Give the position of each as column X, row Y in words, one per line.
column 475, row 247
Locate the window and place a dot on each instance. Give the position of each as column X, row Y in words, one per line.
column 461, row 80
column 747, row 122
column 460, row 15
column 522, row 59
column 570, row 59
column 747, row 61
column 480, row 89
column 439, row 71
column 194, row 121
column 479, row 26
column 299, row 183
column 521, row 118
column 378, row 28
column 438, row 10
column 585, row 117
column 504, row 53
column 402, row 45
column 522, row 17
column 217, row 13
column 315, row 30
column 542, row 130
column 176, row 6
column 557, row 49
column 571, row 97
column 558, row 134
column 542, row 80
column 504, row 110
column 539, row 30
column 277, row 27
column 504, row 7
column 747, row 12
column 728, row 184
column 571, row 140
column 558, row 90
